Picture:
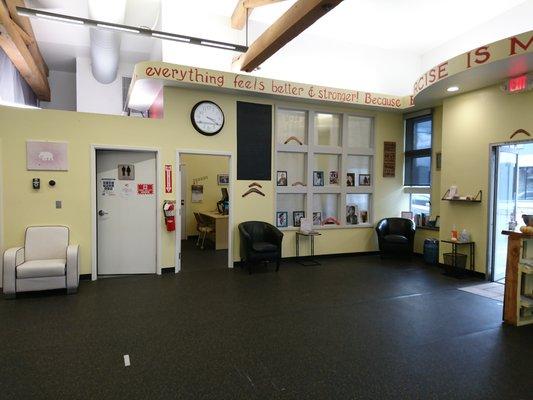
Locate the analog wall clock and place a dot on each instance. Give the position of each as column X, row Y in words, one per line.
column 207, row 118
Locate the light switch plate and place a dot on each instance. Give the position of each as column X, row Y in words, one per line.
column 59, row 204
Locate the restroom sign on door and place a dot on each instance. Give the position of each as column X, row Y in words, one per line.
column 145, row 188
column 168, row 178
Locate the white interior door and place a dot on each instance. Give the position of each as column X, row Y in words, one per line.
column 127, row 212
column 183, row 175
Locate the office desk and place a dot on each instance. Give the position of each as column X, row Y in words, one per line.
column 220, row 222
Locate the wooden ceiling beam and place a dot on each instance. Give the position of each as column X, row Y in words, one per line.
column 244, row 8
column 14, row 46
column 25, row 24
column 296, row 19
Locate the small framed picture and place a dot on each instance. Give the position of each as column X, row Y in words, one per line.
column 363, row 215
column 317, row 218
column 407, row 215
column 318, row 178
column 223, row 179
column 350, row 179
column 296, row 216
column 333, row 177
column 281, row 178
column 352, row 214
column 364, row 179
column 282, row 218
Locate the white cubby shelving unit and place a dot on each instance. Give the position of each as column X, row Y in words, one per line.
column 326, row 142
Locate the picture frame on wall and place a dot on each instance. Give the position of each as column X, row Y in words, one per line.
column 223, row 179
column 317, row 218
column 282, row 219
column 352, row 214
column 333, row 177
column 364, row 179
column 46, row 156
column 318, row 178
column 350, row 179
column 281, row 178
column 296, row 216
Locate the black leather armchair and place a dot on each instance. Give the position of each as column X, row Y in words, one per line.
column 260, row 241
column 396, row 235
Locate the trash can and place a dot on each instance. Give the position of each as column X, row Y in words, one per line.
column 431, row 251
column 460, row 259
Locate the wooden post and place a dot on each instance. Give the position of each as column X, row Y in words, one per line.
column 510, row 298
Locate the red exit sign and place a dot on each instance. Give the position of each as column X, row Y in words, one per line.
column 517, row 84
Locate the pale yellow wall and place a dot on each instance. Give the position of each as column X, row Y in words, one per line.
column 25, row 207
column 198, row 167
column 471, row 122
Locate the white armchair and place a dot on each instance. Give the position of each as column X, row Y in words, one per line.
column 46, row 261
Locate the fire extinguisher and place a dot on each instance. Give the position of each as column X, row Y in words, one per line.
column 169, row 210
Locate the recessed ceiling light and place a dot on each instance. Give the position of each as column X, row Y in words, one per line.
column 453, row 89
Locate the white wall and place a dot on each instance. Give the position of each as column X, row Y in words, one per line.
column 63, row 91
column 95, row 97
column 517, row 20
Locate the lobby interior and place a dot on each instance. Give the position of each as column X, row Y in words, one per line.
column 266, row 199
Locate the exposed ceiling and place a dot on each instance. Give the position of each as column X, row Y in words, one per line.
column 61, row 43
column 392, row 32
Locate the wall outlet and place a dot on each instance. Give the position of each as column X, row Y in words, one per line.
column 59, row 204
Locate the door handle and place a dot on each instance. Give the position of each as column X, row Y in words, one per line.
column 102, row 213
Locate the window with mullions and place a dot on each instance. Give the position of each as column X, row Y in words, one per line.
column 525, row 183
column 418, row 133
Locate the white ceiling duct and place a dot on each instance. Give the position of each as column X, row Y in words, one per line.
column 105, row 45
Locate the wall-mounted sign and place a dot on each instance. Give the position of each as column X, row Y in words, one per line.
column 389, row 159
column 145, row 188
column 168, row 178
column 126, row 172
column 46, row 156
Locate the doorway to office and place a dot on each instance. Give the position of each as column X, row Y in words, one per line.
column 203, row 233
column 511, row 197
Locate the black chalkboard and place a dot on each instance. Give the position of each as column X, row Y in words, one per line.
column 254, row 141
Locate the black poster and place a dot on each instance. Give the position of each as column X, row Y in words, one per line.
column 254, row 141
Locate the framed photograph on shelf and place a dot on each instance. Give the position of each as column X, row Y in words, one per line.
column 352, row 214
column 364, row 179
column 281, row 178
column 223, row 179
column 282, row 219
column 350, row 179
column 333, row 177
column 363, row 216
column 318, row 178
column 296, row 216
column 317, row 218
column 407, row 215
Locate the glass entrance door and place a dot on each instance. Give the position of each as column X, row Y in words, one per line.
column 504, row 208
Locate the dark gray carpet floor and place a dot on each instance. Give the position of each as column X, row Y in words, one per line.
column 352, row 328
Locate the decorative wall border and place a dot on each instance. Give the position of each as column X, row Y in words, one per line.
column 497, row 51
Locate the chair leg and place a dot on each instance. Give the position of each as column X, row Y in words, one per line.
column 203, row 240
